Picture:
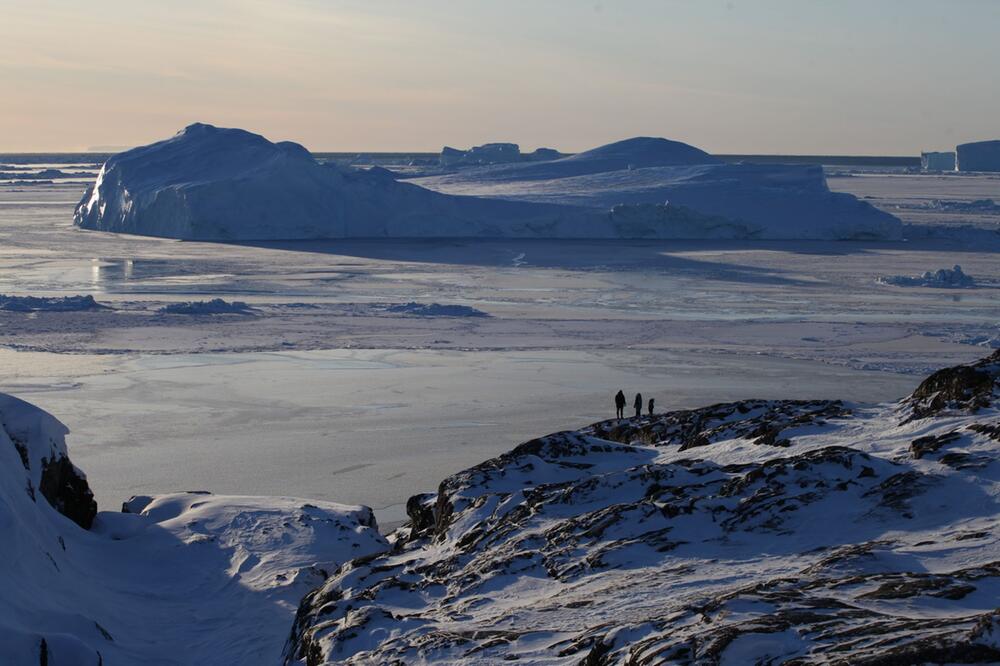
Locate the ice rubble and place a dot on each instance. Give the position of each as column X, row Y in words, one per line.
column 786, row 531
column 942, row 278
column 436, row 310
column 187, row 578
column 211, row 307
column 209, row 183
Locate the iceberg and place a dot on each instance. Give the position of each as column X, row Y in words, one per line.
column 217, row 184
column 979, row 156
column 494, row 153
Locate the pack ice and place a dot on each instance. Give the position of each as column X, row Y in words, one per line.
column 210, row 183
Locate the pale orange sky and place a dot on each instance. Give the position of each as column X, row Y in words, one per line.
column 762, row 76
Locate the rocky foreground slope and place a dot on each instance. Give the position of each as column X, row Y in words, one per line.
column 757, row 532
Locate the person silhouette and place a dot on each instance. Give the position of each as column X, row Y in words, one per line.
column 638, row 404
column 620, row 404
column 651, row 402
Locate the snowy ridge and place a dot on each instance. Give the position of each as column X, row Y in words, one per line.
column 210, row 183
column 753, row 532
column 187, row 578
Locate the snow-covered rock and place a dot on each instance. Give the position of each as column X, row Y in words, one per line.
column 761, row 531
column 942, row 278
column 209, row 183
column 181, row 579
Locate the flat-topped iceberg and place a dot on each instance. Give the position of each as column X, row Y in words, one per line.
column 769, row 201
column 210, row 183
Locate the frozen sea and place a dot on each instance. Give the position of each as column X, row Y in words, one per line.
column 324, row 392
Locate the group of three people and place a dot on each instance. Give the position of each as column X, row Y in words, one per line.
column 637, row 403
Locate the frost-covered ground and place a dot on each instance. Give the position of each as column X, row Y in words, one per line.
column 570, row 322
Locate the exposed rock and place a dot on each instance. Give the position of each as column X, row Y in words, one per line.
column 963, row 388
column 67, row 490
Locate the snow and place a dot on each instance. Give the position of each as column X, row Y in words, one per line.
column 209, row 183
column 214, row 306
column 942, row 278
column 48, row 304
column 192, row 578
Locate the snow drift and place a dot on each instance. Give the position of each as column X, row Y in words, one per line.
column 187, row 578
column 756, row 532
column 209, row 183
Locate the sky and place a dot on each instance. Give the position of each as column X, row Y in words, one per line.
column 885, row 77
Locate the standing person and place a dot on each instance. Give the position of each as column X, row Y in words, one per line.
column 638, row 404
column 620, row 404
column 651, row 401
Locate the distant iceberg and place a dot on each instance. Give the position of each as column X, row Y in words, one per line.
column 494, row 153
column 210, row 183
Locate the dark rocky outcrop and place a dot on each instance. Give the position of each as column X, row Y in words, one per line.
column 965, row 388
column 68, row 492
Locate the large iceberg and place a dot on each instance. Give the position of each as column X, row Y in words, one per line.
column 979, row 156
column 210, row 183
column 778, row 201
